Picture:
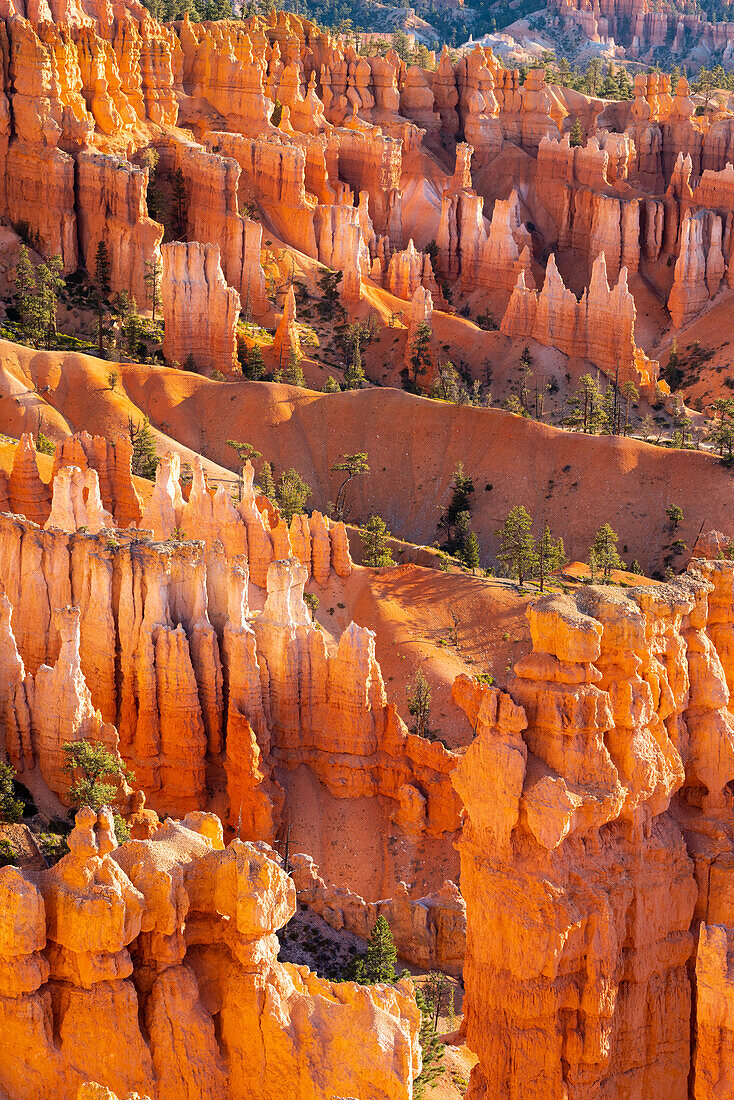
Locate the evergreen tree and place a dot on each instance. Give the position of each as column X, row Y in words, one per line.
column 153, row 196
column 420, row 352
column 353, row 466
column 95, row 773
column 375, row 551
column 11, row 808
column 144, row 458
column 631, row 397
column 419, row 705
column 377, row 965
column 25, row 291
column 577, row 136
column 432, row 1049
column 331, row 385
column 588, row 412
column 354, row 377
column 132, row 331
column 675, row 515
column 266, row 482
column 179, row 205
column 550, row 556
column 245, row 451
column 311, row 601
column 328, row 304
column 721, row 432
column 603, row 551
column 636, row 567
column 102, row 290
column 294, row 375
column 470, row 553
column 251, row 362
column 517, row 545
column 448, row 385
column 49, row 283
column 152, row 280
column 462, row 488
column 292, row 494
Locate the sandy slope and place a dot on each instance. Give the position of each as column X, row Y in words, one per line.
column 573, row 482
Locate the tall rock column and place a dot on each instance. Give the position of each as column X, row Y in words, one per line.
column 199, row 309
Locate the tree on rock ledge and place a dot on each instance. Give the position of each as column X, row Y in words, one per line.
column 378, row 962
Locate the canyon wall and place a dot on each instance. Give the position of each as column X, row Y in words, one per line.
column 170, row 944
column 185, row 645
column 597, row 846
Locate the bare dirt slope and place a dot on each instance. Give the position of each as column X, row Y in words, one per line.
column 571, row 481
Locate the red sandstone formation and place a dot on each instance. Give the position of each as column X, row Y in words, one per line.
column 599, row 327
column 200, row 311
column 597, row 788
column 595, row 839
column 169, row 944
column 111, row 461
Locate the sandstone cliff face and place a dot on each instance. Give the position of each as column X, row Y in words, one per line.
column 111, row 460
column 200, row 311
column 172, row 943
column 598, row 327
column 163, row 660
column 596, row 790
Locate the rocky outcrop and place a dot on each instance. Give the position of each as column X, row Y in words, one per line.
column 27, row 495
column 173, row 943
column 76, row 503
column 200, row 311
column 164, row 661
column 699, row 268
column 286, row 343
column 598, row 327
column 595, row 789
column 111, row 459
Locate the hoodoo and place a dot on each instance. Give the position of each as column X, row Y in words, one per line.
column 366, row 552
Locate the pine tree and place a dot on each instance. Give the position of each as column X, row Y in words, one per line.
column 251, row 362
column 577, row 136
column 353, row 466
column 550, row 556
column 102, row 290
column 28, row 298
column 11, row 808
column 292, row 494
column 419, row 704
column 152, row 280
column 90, row 764
column 432, row 1049
column 588, row 412
column 675, row 515
column 721, row 433
column 375, row 551
column 377, row 965
column 470, row 554
column 420, row 352
column 132, row 331
column 144, row 458
column 331, row 385
column 631, row 397
column 462, row 488
column 517, row 545
column 354, row 377
column 179, row 204
column 267, row 483
column 49, row 284
column 604, row 551
column 294, row 375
